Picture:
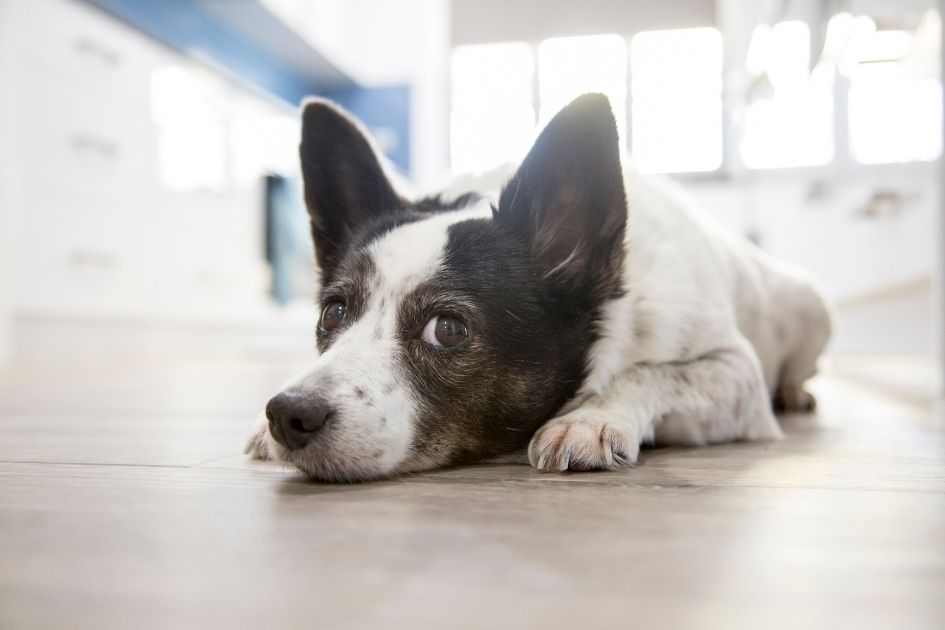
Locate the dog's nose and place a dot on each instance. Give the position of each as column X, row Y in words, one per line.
column 295, row 418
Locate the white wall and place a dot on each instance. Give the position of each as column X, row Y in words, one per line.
column 875, row 267
column 93, row 230
column 8, row 179
column 827, row 221
column 939, row 287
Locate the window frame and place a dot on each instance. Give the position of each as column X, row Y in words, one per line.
column 842, row 164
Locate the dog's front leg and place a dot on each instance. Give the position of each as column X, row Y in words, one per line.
column 257, row 445
column 717, row 398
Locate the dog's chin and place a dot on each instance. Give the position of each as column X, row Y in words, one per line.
column 321, row 464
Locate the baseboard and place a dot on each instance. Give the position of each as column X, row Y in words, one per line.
column 894, row 320
column 71, row 339
column 913, row 378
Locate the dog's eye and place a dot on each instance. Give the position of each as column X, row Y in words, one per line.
column 444, row 331
column 333, row 316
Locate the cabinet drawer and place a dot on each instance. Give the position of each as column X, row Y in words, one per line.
column 108, row 248
column 71, row 39
column 82, row 232
column 72, row 136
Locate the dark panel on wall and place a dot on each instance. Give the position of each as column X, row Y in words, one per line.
column 385, row 111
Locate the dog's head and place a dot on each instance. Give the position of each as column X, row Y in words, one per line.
column 449, row 333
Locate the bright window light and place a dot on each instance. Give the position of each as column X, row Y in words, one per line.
column 676, row 96
column 895, row 103
column 571, row 66
column 894, row 118
column 789, row 119
column 192, row 143
column 260, row 143
column 492, row 120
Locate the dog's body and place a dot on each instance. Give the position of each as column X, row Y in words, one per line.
column 556, row 321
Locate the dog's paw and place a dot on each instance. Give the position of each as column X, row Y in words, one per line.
column 584, row 439
column 257, row 446
column 793, row 399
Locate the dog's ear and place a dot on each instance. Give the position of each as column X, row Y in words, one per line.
column 567, row 199
column 345, row 185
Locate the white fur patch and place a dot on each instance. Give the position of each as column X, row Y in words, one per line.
column 411, row 253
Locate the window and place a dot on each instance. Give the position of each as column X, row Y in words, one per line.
column 787, row 112
column 261, row 142
column 211, row 137
column 788, row 120
column 492, row 119
column 895, row 102
column 192, row 151
column 571, row 66
column 676, row 95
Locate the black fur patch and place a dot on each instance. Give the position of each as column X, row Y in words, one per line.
column 345, row 186
column 567, row 201
column 525, row 356
column 530, row 284
column 438, row 203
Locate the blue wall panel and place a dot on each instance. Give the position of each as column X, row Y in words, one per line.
column 183, row 25
column 384, row 110
column 187, row 26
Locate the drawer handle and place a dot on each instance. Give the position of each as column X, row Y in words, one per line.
column 883, row 203
column 94, row 144
column 93, row 49
column 91, row 259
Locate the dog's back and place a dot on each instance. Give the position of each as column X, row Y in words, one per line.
column 691, row 285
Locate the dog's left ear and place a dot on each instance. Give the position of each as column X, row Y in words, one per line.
column 345, row 185
column 567, row 199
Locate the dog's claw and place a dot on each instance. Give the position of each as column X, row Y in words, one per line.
column 585, row 439
column 564, row 460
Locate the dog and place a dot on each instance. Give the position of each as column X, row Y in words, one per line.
column 562, row 323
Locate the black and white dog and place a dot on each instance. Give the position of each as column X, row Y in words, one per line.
column 554, row 322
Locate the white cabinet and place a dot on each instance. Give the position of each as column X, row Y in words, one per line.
column 95, row 228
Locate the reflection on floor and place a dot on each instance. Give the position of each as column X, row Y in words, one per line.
column 124, row 502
